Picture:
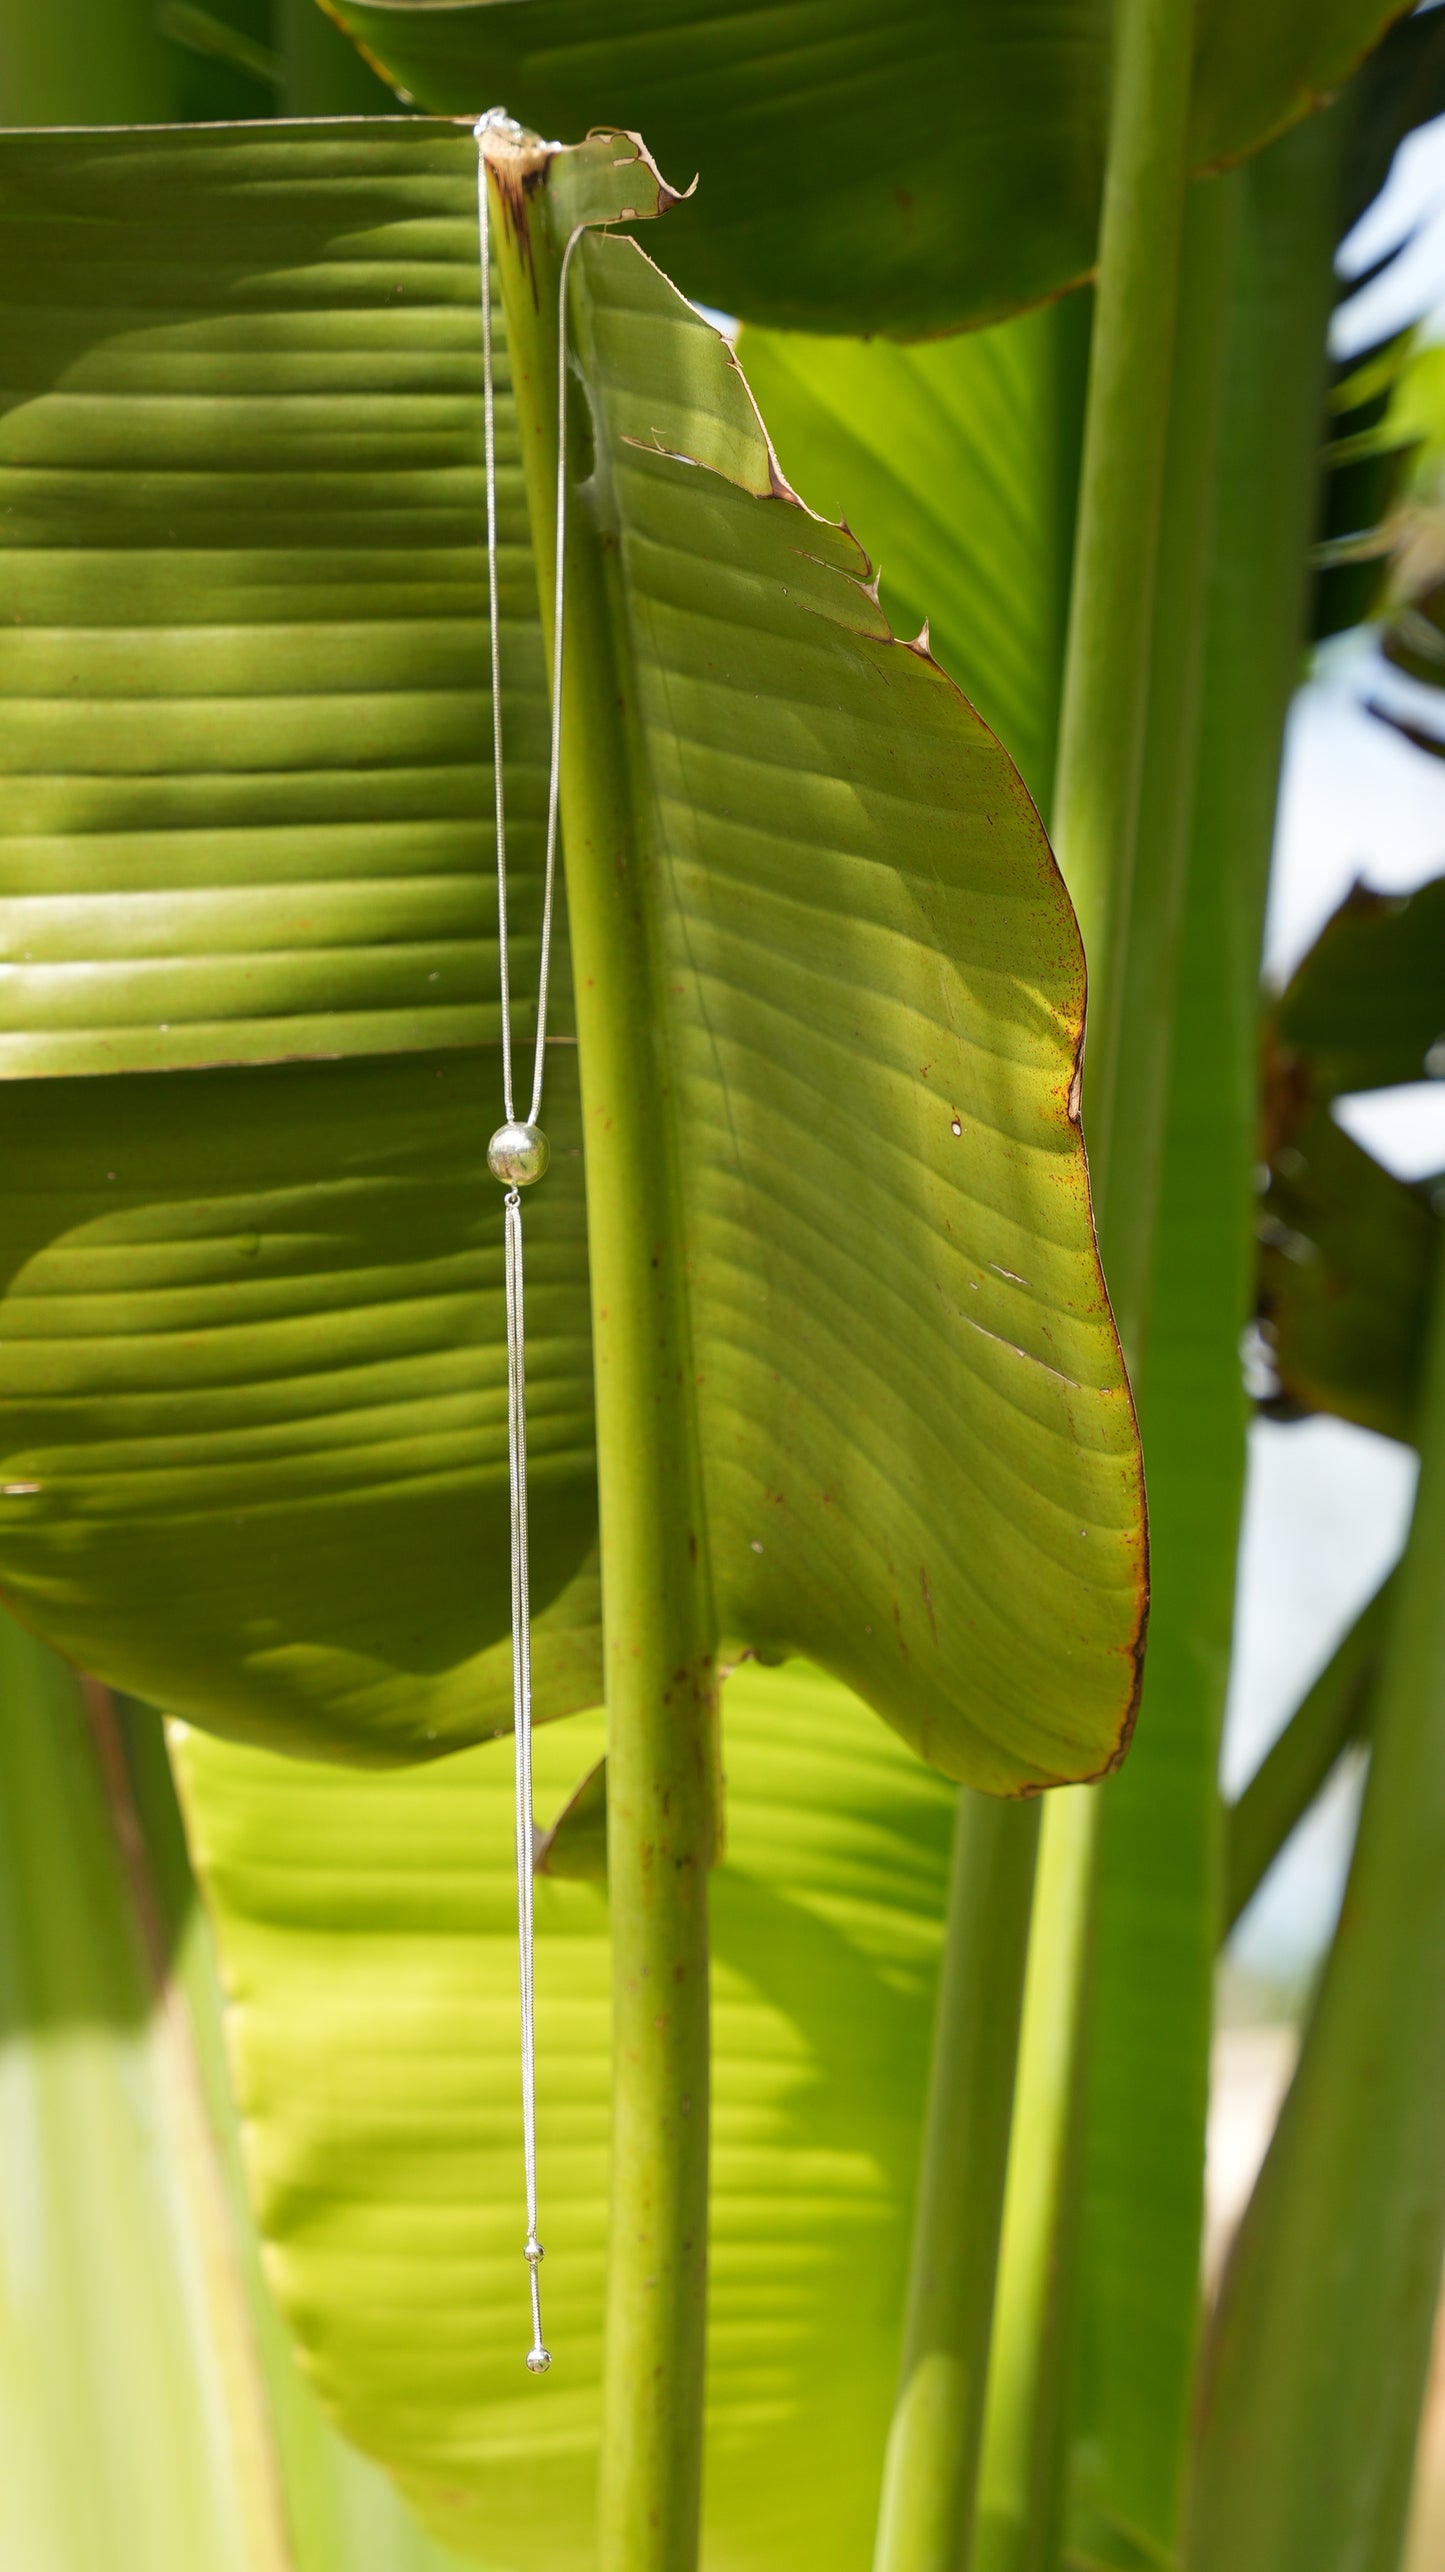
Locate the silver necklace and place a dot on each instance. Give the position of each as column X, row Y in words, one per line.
column 517, row 1155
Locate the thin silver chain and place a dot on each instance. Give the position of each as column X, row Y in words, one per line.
column 538, row 2359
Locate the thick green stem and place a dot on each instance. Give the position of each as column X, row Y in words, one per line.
column 1334, row 1713
column 1141, row 1027
column 1159, row 1888
column 1096, row 816
column 663, row 1774
column 1116, row 557
column 1021, row 2479
column 931, row 2471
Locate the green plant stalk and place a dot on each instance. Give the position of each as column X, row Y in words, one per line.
column 1116, row 562
column 1161, row 1865
column 660, row 1637
column 1021, row 2481
column 1334, row 1712
column 1140, row 1031
column 930, row 2474
column 1096, row 816
column 1321, row 2348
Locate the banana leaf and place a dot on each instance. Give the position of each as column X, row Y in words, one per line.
column 250, row 1334
column 367, row 1937
column 853, row 182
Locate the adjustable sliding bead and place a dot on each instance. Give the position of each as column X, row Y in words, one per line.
column 518, row 1154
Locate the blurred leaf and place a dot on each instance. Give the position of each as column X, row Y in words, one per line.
column 1401, row 87
column 1368, row 464
column 851, row 181
column 1366, row 1007
column 367, row 1937
column 73, row 63
column 221, row 38
column 1347, row 1255
column 132, row 2412
column 324, row 75
column 1347, row 1251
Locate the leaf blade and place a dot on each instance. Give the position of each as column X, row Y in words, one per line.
column 871, row 998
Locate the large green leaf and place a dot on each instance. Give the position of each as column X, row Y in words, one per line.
column 243, row 665
column 254, row 1365
column 938, row 1160
column 368, row 1943
column 252, row 1342
column 854, row 178
column 253, row 1352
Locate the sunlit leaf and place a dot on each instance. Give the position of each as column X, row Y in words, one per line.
column 368, row 1943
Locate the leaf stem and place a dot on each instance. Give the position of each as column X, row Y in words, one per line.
column 1116, row 555
column 663, row 1787
column 931, row 2471
column 1142, row 1013
column 1096, row 819
column 1021, row 2479
column 1156, row 1936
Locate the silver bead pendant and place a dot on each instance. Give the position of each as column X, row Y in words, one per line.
column 518, row 1154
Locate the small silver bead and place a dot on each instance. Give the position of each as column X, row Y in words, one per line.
column 532, row 2248
column 538, row 2360
column 518, row 1154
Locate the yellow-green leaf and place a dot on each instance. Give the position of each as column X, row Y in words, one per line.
column 368, row 1943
